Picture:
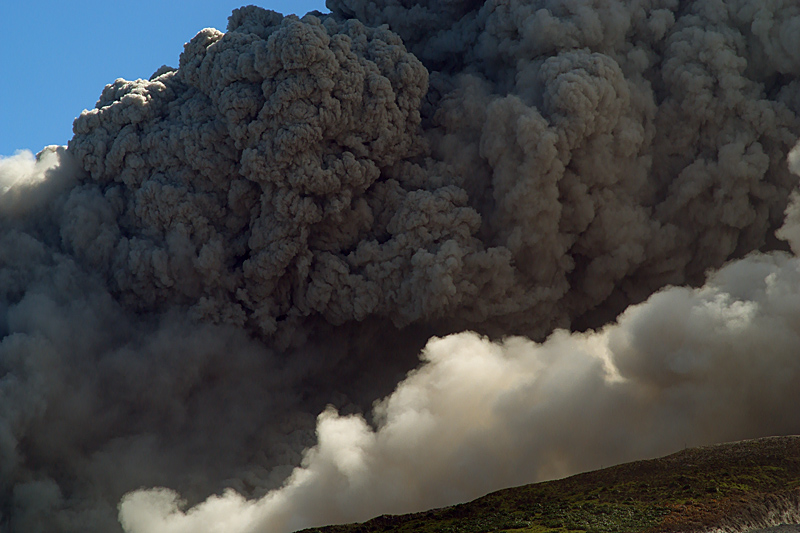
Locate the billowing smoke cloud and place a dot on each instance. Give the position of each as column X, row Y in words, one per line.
column 685, row 368
column 280, row 223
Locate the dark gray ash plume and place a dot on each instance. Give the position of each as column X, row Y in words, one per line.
column 279, row 224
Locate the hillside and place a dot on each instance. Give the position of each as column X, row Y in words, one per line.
column 732, row 487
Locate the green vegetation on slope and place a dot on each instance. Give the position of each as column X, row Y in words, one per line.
column 687, row 491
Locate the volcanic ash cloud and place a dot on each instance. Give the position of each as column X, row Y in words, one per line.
column 211, row 300
column 563, row 163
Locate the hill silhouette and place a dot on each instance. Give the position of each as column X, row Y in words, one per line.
column 733, row 488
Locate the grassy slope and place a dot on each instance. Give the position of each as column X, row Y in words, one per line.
column 687, row 491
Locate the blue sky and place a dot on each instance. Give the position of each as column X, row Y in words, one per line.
column 57, row 56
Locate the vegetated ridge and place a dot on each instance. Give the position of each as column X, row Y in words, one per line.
column 733, row 487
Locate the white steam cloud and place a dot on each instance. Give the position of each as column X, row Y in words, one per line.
column 687, row 367
column 276, row 228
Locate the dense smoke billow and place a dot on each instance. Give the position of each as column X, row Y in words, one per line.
column 202, row 295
